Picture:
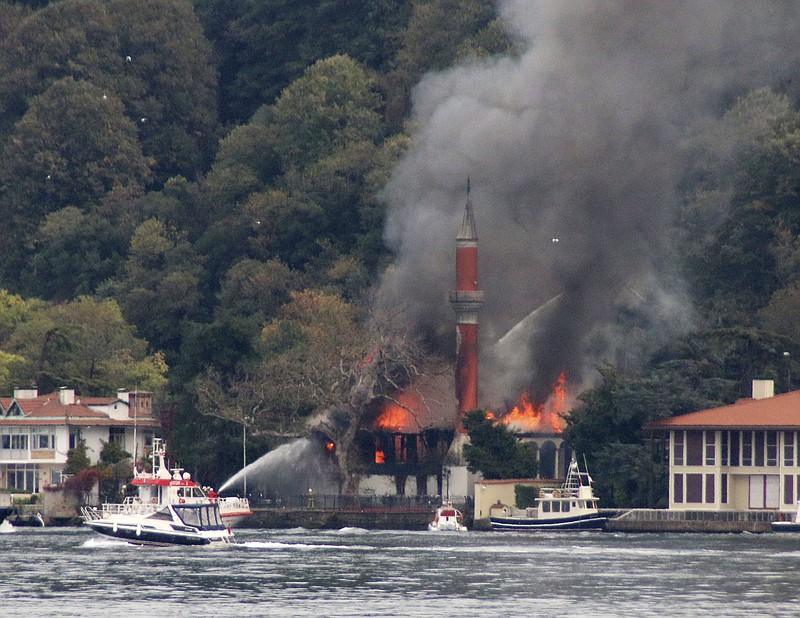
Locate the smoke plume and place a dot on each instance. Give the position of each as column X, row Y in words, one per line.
column 573, row 150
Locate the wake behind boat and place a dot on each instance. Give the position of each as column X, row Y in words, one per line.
column 169, row 508
column 573, row 506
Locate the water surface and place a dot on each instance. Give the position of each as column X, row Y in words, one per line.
column 354, row 572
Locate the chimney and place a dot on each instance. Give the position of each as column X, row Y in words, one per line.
column 763, row 389
column 26, row 393
column 466, row 301
column 140, row 405
column 66, row 396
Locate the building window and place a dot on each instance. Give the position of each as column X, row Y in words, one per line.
column 788, row 447
column 725, row 440
column 710, row 447
column 710, row 488
column 735, row 447
column 116, row 435
column 772, row 448
column 759, row 448
column 788, row 489
column 43, row 438
column 24, row 476
column 677, row 487
column 694, row 488
column 747, row 448
column 677, row 448
column 74, row 437
column 694, row 448
column 14, row 441
column 723, row 488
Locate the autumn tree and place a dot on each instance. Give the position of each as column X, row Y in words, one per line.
column 323, row 366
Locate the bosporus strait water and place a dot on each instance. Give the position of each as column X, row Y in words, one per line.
column 354, row 572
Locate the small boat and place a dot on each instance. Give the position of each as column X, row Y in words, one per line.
column 171, row 496
column 573, row 506
column 789, row 525
column 171, row 524
column 447, row 519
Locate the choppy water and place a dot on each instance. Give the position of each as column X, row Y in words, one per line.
column 353, row 572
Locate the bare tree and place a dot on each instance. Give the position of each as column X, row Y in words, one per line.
column 324, row 366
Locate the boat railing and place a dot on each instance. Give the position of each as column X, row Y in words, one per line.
column 233, row 503
column 560, row 492
column 127, row 506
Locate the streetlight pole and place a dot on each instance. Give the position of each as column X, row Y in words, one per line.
column 244, row 459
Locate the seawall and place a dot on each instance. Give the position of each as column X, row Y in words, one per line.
column 663, row 520
column 327, row 519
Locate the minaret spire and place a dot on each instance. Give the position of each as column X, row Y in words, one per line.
column 466, row 301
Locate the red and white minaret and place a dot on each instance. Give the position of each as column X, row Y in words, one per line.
column 466, row 302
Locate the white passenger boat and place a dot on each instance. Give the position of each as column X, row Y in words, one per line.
column 447, row 519
column 171, row 524
column 167, row 493
column 573, row 506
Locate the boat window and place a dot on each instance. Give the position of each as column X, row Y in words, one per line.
column 191, row 517
column 162, row 513
column 556, row 507
column 546, row 506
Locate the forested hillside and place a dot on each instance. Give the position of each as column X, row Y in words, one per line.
column 191, row 198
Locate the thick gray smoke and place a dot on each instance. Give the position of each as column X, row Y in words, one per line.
column 577, row 138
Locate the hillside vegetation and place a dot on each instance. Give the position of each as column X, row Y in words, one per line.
column 187, row 186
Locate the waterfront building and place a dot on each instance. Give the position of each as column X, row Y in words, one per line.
column 37, row 431
column 743, row 456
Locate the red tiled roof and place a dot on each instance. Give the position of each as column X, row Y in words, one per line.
column 780, row 411
column 47, row 409
column 97, row 401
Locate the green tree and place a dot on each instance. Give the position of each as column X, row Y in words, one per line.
column 161, row 285
column 77, row 459
column 151, row 55
column 72, row 146
column 264, row 45
column 495, row 451
column 334, row 103
column 85, row 343
column 77, row 251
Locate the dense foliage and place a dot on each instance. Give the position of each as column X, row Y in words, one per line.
column 185, row 183
column 495, row 451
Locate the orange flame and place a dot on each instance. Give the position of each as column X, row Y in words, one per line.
column 527, row 416
column 380, row 457
column 397, row 416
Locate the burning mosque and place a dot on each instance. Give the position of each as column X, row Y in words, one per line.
column 574, row 145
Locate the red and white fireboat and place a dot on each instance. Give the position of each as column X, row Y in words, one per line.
column 168, row 492
column 447, row 519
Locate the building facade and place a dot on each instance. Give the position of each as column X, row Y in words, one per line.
column 744, row 456
column 37, row 431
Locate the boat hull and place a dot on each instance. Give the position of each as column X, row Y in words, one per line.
column 785, row 526
column 142, row 535
column 579, row 522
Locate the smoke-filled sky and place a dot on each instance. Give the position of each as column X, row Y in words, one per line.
column 577, row 138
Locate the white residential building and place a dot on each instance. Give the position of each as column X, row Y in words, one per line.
column 37, row 431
